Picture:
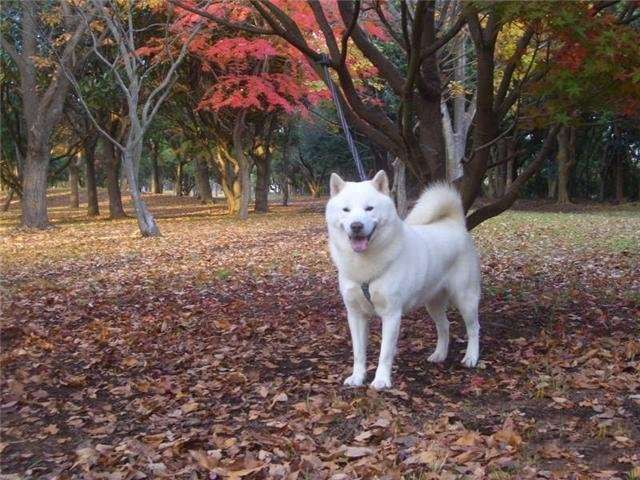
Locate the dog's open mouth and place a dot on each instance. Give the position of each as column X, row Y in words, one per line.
column 359, row 242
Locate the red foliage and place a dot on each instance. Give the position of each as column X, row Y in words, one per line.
column 265, row 91
column 263, row 73
column 571, row 56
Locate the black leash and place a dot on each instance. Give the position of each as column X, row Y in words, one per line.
column 324, row 63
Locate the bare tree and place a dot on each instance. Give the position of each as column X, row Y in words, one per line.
column 132, row 74
column 457, row 123
column 42, row 105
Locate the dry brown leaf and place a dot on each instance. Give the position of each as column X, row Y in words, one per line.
column 357, row 452
column 190, row 407
column 426, row 457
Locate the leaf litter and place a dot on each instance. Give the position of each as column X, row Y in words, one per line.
column 218, row 351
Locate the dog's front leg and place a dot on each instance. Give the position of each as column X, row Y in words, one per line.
column 390, row 333
column 359, row 327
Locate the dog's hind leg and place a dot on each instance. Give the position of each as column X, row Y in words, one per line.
column 437, row 308
column 467, row 304
column 359, row 327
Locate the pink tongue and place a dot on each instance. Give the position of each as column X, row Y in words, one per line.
column 359, row 244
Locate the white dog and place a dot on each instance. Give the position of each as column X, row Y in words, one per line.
column 387, row 267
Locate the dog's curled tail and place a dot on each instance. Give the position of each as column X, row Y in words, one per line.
column 440, row 201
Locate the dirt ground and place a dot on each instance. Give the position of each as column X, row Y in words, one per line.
column 218, row 351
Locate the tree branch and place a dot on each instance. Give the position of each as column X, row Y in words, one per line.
column 348, row 31
column 382, row 63
column 512, row 193
column 245, row 27
column 512, row 63
column 445, row 38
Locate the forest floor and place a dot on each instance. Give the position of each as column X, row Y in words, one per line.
column 218, row 350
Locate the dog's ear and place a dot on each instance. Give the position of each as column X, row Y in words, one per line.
column 335, row 184
column 381, row 182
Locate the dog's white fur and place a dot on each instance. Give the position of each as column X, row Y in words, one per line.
column 429, row 259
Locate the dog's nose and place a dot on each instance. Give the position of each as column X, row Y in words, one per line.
column 356, row 227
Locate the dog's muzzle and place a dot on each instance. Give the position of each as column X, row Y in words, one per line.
column 359, row 241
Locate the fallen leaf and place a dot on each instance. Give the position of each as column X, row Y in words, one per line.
column 357, row 452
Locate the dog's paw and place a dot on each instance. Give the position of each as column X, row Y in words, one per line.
column 354, row 380
column 470, row 360
column 437, row 357
column 381, row 383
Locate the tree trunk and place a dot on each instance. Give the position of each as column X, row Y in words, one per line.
column 156, row 180
column 93, row 209
column 262, row 184
column 244, row 167
column 7, row 201
column 231, row 189
column 179, row 179
column 245, row 187
column 285, row 181
column 500, row 170
column 511, row 151
column 131, row 157
column 34, row 187
column 202, row 180
column 552, row 187
column 399, row 188
column 314, row 188
column 74, row 180
column 565, row 158
column 619, row 177
column 111, row 164
column 285, row 163
column 228, row 178
column 456, row 129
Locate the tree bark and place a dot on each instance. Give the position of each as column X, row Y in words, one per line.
column 202, row 180
column 565, row 159
column 7, row 201
column 93, row 210
column 619, row 177
column 244, row 167
column 511, row 153
column 156, row 180
column 456, row 129
column 399, row 189
column 552, row 187
column 231, row 189
column 285, row 175
column 34, row 187
column 111, row 164
column 263, row 164
column 74, row 180
column 146, row 222
column 179, row 179
column 314, row 188
column 228, row 177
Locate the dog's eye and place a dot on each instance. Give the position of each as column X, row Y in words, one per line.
column 346, row 209
column 368, row 209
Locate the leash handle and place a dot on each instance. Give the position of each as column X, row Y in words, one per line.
column 324, row 63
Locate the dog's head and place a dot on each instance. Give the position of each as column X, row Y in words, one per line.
column 357, row 211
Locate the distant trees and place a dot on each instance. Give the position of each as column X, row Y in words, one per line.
column 502, row 98
column 131, row 74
